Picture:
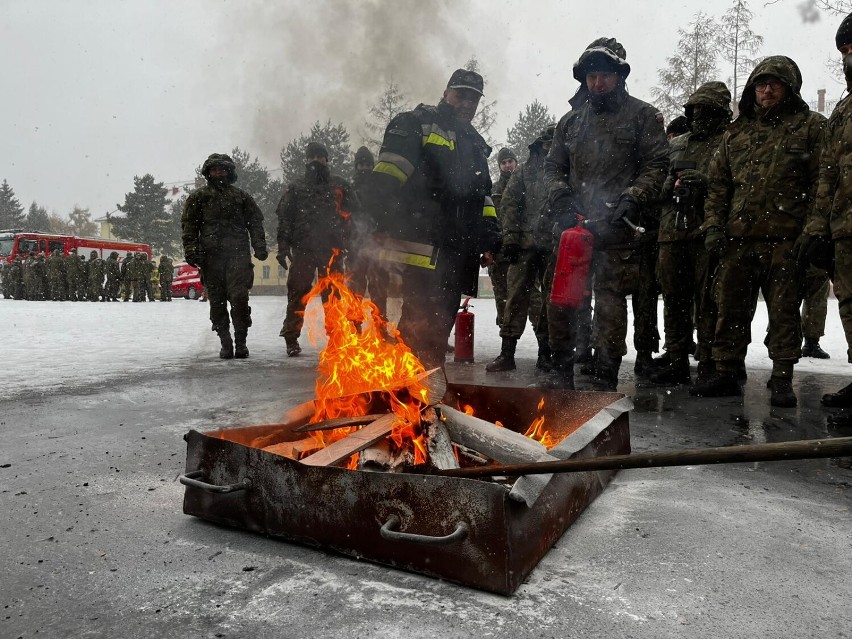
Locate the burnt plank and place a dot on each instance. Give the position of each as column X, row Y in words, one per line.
column 354, row 443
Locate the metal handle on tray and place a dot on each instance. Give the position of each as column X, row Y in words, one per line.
column 191, row 479
column 393, row 521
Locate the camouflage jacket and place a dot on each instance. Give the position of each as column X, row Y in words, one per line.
column 498, row 190
column 73, row 267
column 96, row 269
column 763, row 177
column 221, row 221
column 112, row 268
column 56, row 267
column 597, row 157
column 832, row 211
column 316, row 215
column 524, row 203
column 166, row 270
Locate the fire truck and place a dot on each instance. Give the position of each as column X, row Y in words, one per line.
column 16, row 242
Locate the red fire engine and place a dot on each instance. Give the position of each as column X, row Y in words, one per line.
column 16, row 242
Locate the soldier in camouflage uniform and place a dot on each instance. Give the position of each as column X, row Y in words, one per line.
column 814, row 294
column 56, row 276
column 136, row 270
column 684, row 268
column 499, row 269
column 96, row 269
column 762, row 184
column 220, row 223
column 526, row 249
column 40, row 275
column 608, row 162
column 166, row 269
column 124, row 272
column 72, row 274
column 113, row 275
column 83, row 281
column 16, row 274
column 149, row 277
column 313, row 220
column 830, row 220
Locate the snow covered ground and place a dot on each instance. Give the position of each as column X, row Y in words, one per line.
column 51, row 344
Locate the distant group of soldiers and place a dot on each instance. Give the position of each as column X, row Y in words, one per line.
column 72, row 278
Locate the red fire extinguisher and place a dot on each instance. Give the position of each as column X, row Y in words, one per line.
column 464, row 334
column 573, row 262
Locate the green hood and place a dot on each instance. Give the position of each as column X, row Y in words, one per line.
column 712, row 94
column 785, row 70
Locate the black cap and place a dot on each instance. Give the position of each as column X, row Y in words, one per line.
column 316, row 150
column 464, row 79
column 844, row 32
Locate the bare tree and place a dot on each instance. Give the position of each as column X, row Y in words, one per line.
column 391, row 103
column 832, row 6
column 693, row 64
column 738, row 43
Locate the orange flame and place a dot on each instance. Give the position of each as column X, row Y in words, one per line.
column 536, row 430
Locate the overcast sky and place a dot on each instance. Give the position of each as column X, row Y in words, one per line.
column 97, row 91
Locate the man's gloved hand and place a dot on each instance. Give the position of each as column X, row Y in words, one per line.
column 511, row 252
column 626, row 209
column 192, row 258
column 715, row 241
column 564, row 210
column 261, row 254
column 692, row 178
column 283, row 254
column 805, row 246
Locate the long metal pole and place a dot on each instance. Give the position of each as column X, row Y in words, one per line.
column 782, row 451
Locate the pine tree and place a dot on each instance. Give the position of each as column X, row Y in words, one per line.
column 38, row 219
column 391, row 103
column 11, row 211
column 147, row 218
column 58, row 224
column 80, row 222
column 335, row 137
column 693, row 64
column 738, row 43
column 531, row 122
column 254, row 179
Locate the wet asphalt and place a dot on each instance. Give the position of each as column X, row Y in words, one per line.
column 94, row 543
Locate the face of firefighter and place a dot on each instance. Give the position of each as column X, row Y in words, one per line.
column 464, row 101
column 601, row 82
column 509, row 165
column 769, row 91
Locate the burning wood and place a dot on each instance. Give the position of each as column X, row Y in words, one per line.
column 440, row 447
column 354, row 443
column 293, row 450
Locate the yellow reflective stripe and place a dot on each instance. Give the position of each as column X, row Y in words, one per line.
column 392, row 170
column 397, row 160
column 410, row 259
column 437, row 140
column 489, row 211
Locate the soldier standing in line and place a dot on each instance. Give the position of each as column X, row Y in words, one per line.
column 72, row 274
column 830, row 220
column 220, row 223
column 313, row 220
column 608, row 163
column 16, row 277
column 166, row 274
column 124, row 272
column 113, row 275
column 498, row 271
column 40, row 277
column 4, row 278
column 95, row 269
column 83, row 282
column 148, row 274
column 684, row 267
column 526, row 248
column 56, row 276
column 29, row 282
column 763, row 181
column 136, row 271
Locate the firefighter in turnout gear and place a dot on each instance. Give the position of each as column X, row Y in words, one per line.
column 684, row 268
column 526, row 249
column 430, row 195
column 220, row 223
column 763, row 181
column 608, row 163
column 314, row 220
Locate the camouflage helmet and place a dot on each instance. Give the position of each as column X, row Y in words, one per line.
column 604, row 54
column 223, row 160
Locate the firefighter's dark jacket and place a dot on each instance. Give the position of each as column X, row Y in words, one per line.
column 431, row 183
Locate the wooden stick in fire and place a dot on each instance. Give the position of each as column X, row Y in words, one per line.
column 782, row 451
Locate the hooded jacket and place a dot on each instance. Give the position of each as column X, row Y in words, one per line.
column 698, row 148
column 524, row 203
column 763, row 176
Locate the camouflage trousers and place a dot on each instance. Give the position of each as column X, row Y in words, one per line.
column 747, row 269
column 305, row 264
column 367, row 275
column 228, row 279
column 525, row 280
column 814, row 294
column 499, row 274
column 843, row 287
column 57, row 289
column 166, row 289
column 617, row 273
column 685, row 273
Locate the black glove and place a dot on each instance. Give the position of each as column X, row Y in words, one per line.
column 261, row 254
column 626, row 209
column 715, row 241
column 283, row 253
column 564, row 210
column 693, row 178
column 804, row 247
column 511, row 252
column 192, row 258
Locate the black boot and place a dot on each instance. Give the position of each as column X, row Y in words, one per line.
column 241, row 351
column 293, row 348
column 677, row 372
column 584, row 355
column 606, row 372
column 719, row 384
column 661, row 362
column 840, row 399
column 589, row 367
column 544, row 361
column 505, row 361
column 705, row 371
column 782, row 392
column 644, row 363
column 561, row 375
column 227, row 350
column 813, row 349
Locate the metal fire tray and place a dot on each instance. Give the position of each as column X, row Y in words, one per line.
column 469, row 531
